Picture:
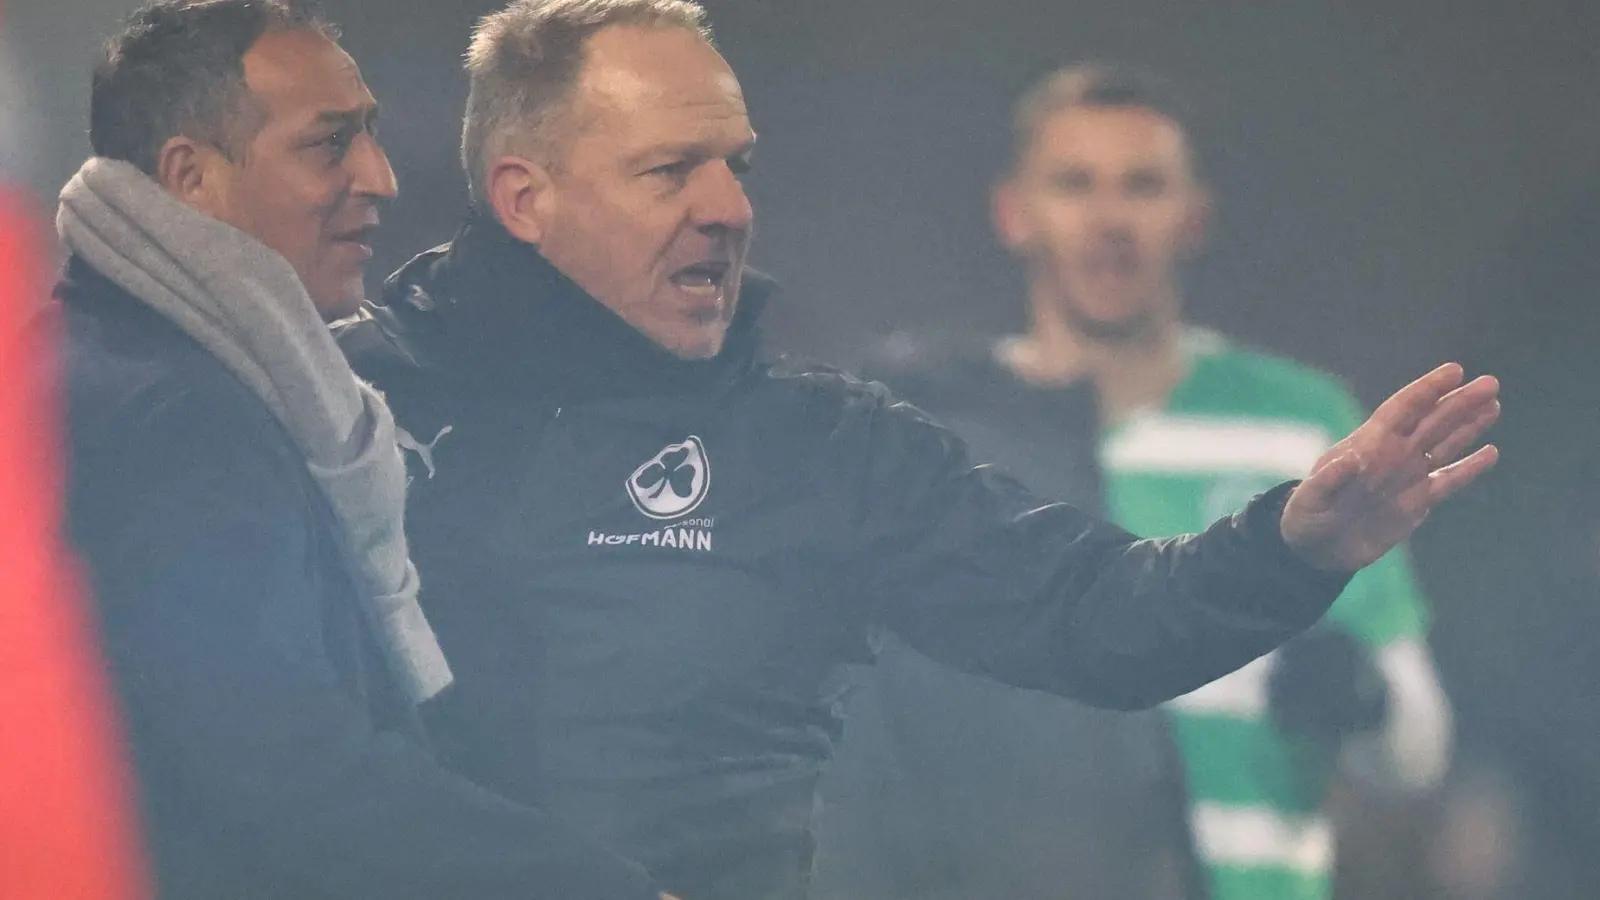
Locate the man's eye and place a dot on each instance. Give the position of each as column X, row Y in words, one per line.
column 679, row 169
column 1146, row 184
column 339, row 142
column 739, row 165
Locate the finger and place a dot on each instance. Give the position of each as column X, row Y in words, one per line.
column 1459, row 474
column 1461, row 406
column 1405, row 409
column 1450, row 448
column 1318, row 488
column 1395, row 464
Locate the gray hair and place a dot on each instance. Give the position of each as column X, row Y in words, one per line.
column 524, row 61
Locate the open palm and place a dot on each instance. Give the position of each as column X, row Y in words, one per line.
column 1371, row 490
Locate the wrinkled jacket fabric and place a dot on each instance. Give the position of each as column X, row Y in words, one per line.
column 647, row 572
column 948, row 786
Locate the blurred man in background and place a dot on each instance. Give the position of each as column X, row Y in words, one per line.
column 237, row 495
column 951, row 785
column 1102, row 204
column 646, row 652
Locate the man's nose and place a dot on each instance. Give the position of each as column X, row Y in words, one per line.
column 371, row 173
column 1111, row 209
column 721, row 201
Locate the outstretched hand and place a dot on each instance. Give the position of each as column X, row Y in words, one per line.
column 1372, row 489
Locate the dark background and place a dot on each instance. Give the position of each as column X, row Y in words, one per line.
column 1398, row 183
column 1375, row 162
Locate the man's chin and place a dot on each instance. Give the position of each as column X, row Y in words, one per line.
column 694, row 344
column 698, row 349
column 340, row 302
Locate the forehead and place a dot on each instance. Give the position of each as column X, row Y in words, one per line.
column 1109, row 136
column 299, row 74
column 646, row 85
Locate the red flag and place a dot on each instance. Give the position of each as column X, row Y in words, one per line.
column 66, row 823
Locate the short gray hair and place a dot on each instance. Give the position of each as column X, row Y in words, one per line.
column 524, row 61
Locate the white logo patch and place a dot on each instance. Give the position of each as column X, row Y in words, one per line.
column 407, row 442
column 674, row 482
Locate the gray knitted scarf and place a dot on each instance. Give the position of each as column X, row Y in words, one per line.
column 244, row 304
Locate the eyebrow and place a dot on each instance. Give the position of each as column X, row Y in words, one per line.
column 361, row 115
column 696, row 148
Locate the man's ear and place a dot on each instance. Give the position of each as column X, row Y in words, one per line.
column 520, row 195
column 1005, row 213
column 188, row 171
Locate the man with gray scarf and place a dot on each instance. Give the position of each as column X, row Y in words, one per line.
column 237, row 494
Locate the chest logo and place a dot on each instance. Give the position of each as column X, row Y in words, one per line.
column 673, row 482
column 424, row 451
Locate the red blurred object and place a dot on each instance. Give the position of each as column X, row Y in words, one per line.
column 66, row 820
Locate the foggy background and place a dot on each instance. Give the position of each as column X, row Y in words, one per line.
column 1398, row 183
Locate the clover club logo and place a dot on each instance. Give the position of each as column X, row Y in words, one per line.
column 673, row 482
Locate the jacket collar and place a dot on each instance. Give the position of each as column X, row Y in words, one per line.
column 495, row 312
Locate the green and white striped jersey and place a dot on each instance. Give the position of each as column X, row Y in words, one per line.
column 1240, row 423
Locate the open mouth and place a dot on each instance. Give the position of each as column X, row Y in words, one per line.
column 703, row 278
column 1114, row 262
column 360, row 237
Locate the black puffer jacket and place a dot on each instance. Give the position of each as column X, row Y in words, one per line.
column 646, row 572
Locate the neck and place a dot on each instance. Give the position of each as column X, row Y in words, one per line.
column 1131, row 371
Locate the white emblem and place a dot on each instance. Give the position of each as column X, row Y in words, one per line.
column 673, row 482
column 407, row 442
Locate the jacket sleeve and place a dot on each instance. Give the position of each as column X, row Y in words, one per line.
column 973, row 570
column 192, row 524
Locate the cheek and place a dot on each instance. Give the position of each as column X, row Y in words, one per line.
column 1165, row 228
column 632, row 252
column 1061, row 225
column 610, row 237
column 594, row 246
column 290, row 219
column 604, row 254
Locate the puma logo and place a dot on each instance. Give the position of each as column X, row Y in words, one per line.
column 425, row 451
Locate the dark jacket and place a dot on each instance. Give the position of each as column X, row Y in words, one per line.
column 922, row 800
column 647, row 571
column 274, row 757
